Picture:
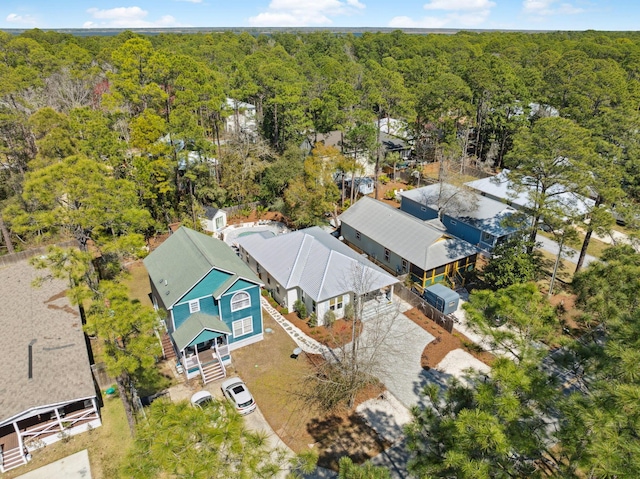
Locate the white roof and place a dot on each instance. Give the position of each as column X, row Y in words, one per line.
column 316, row 262
column 501, row 187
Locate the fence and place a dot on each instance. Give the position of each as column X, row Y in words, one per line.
column 12, row 258
column 444, row 320
column 101, row 377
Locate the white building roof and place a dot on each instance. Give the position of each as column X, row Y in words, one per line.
column 501, row 187
column 316, row 262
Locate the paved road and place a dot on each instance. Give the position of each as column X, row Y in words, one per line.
column 568, row 253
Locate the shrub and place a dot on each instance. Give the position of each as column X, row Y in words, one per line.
column 389, row 195
column 300, row 308
column 384, row 179
column 349, row 311
column 329, row 318
column 313, row 320
column 284, row 311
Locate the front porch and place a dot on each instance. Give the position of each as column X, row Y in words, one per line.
column 202, row 342
column 44, row 427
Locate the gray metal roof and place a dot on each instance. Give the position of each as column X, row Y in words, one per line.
column 194, row 325
column 316, row 262
column 414, row 240
column 44, row 318
column 185, row 258
column 501, row 187
column 472, row 208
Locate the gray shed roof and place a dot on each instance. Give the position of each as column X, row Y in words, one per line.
column 501, row 187
column 44, row 318
column 185, row 258
column 474, row 209
column 414, row 240
column 316, row 262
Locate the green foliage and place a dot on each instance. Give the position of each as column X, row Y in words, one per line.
column 300, row 308
column 313, row 320
column 329, row 318
column 389, row 195
column 179, row 440
column 384, row 179
column 349, row 311
column 349, row 470
column 512, row 263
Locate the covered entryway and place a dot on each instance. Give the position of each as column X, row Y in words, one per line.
column 202, row 342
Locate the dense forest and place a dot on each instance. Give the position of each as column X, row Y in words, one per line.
column 120, row 112
column 107, row 140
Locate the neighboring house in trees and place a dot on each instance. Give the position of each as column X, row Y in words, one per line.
column 215, row 219
column 212, row 300
column 47, row 390
column 242, row 117
column 479, row 220
column 500, row 188
column 403, row 244
column 312, row 266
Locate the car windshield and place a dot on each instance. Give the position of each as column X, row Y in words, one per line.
column 246, row 404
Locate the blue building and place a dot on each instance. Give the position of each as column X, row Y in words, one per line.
column 481, row 221
column 211, row 299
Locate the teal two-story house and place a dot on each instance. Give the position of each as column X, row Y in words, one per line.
column 211, row 299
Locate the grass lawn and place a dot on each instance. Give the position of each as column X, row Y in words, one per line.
column 107, row 445
column 275, row 380
column 138, row 283
column 565, row 268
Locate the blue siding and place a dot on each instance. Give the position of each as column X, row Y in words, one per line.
column 415, row 209
column 205, row 336
column 207, row 286
column 461, row 230
column 180, row 313
column 240, row 285
column 255, row 311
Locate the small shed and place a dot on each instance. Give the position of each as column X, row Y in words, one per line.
column 442, row 298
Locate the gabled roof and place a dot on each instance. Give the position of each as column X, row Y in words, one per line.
column 316, row 262
column 194, row 325
column 472, row 208
column 414, row 240
column 500, row 186
column 43, row 318
column 185, row 258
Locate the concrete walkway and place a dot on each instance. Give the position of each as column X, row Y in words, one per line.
column 75, row 466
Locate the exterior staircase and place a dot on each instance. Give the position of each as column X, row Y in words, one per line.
column 167, row 347
column 212, row 372
column 11, row 459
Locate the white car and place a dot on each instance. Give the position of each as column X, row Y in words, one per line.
column 200, row 398
column 236, row 391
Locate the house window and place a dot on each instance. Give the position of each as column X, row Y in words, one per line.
column 257, row 268
column 405, row 266
column 242, row 327
column 277, row 289
column 240, row 300
column 219, row 222
column 313, row 306
column 335, row 303
column 487, row 238
column 194, row 306
column 387, row 255
column 268, row 280
column 357, row 235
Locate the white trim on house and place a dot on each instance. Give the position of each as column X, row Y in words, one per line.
column 243, row 303
column 246, row 325
column 245, row 342
column 194, row 306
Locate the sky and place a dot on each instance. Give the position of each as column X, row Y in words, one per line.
column 457, row 14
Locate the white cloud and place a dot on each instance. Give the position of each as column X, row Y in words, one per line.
column 20, row 19
column 459, row 5
column 126, row 17
column 190, row 1
column 456, row 14
column 300, row 13
column 549, row 7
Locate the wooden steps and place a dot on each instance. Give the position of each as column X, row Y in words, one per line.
column 167, row 347
column 12, row 458
column 212, row 372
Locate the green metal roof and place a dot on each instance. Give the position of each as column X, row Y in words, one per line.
column 186, row 257
column 194, row 325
